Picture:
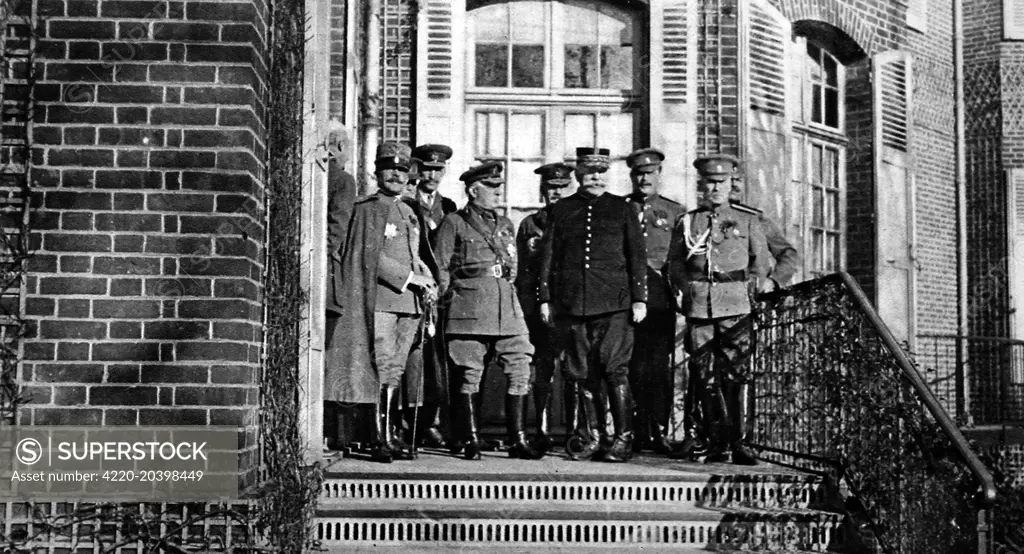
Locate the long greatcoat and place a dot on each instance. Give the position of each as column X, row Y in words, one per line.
column 341, row 195
column 353, row 377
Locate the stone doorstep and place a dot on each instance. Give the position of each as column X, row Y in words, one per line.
column 537, row 549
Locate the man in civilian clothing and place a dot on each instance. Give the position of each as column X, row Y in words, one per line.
column 384, row 278
column 594, row 279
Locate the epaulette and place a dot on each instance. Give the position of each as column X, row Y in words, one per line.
column 669, row 200
column 745, row 208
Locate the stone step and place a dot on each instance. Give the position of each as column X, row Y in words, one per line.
column 468, row 524
column 536, row 549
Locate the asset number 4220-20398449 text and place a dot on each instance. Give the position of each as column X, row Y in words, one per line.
column 152, row 475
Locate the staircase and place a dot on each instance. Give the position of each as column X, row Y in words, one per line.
column 439, row 502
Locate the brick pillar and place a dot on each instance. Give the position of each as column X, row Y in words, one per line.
column 145, row 287
column 717, row 78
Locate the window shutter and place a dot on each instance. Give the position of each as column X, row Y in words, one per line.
column 892, row 97
column 917, row 15
column 769, row 35
column 439, row 48
column 1015, row 259
column 1013, row 20
column 674, row 51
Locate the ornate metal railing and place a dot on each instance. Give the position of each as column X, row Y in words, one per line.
column 835, row 392
column 980, row 379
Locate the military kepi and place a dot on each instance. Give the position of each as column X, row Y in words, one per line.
column 717, row 166
column 394, row 155
column 593, row 157
column 555, row 175
column 432, row 156
column 488, row 173
column 645, row 160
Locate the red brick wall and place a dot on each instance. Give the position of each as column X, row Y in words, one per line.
column 144, row 291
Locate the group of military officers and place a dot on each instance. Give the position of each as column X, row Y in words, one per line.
column 591, row 283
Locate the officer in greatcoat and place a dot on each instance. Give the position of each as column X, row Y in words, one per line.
column 386, row 284
column 651, row 366
column 594, row 280
column 476, row 254
column 554, row 178
column 716, row 251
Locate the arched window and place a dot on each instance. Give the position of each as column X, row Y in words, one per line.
column 819, row 151
column 546, row 76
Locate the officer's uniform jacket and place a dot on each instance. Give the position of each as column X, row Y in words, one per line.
column 399, row 258
column 435, row 213
column 593, row 258
column 528, row 244
column 715, row 252
column 785, row 258
column 658, row 216
column 476, row 280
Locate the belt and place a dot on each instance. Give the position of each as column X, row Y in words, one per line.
column 738, row 275
column 497, row 271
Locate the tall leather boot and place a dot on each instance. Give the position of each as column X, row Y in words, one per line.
column 515, row 422
column 719, row 424
column 381, row 451
column 542, row 407
column 400, row 450
column 606, row 435
column 457, row 442
column 621, row 403
column 657, row 433
column 584, row 442
column 572, row 409
column 468, row 411
column 641, row 426
column 737, row 397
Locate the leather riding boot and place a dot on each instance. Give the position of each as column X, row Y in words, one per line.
column 572, row 409
column 718, row 424
column 641, row 437
column 606, row 435
column 381, row 451
column 400, row 450
column 515, row 419
column 621, row 402
column 468, row 411
column 585, row 440
column 737, row 398
column 658, row 441
column 457, row 442
column 542, row 407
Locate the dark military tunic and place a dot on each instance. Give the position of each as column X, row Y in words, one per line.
column 545, row 340
column 593, row 268
column 651, row 365
column 435, row 213
column 484, row 318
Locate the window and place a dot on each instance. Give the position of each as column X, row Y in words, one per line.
column 552, row 45
column 821, row 79
column 545, row 77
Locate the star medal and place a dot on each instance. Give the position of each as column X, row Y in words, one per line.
column 511, row 250
column 390, row 231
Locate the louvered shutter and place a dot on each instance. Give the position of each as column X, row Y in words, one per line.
column 1013, row 19
column 768, row 40
column 894, row 195
column 674, row 51
column 917, row 15
column 439, row 48
column 1015, row 258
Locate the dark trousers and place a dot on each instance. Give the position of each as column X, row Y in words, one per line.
column 547, row 349
column 598, row 348
column 719, row 367
column 650, row 369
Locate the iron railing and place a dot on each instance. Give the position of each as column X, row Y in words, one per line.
column 834, row 392
column 980, row 379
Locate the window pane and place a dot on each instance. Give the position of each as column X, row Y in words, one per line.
column 832, row 260
column 522, row 186
column 797, row 169
column 490, row 135
column 579, row 25
column 818, row 203
column 527, row 65
column 490, row 24
column 528, row 139
column 580, row 130
column 814, row 62
column 828, row 164
column 832, row 107
column 816, row 116
column 831, row 71
column 817, row 263
column 528, row 22
column 615, row 132
column 832, row 210
column 581, row 66
column 617, row 67
column 816, row 162
column 491, row 65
